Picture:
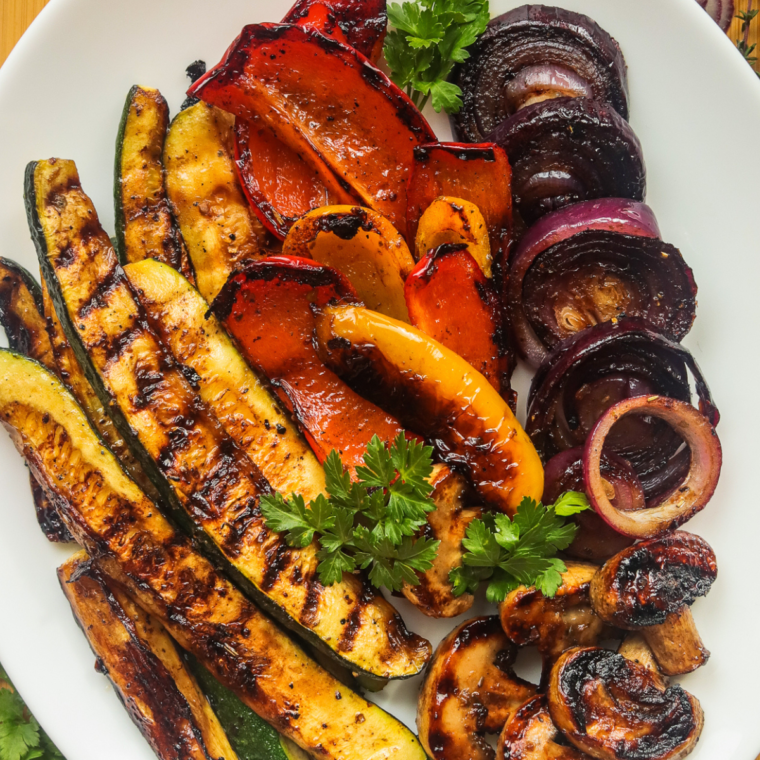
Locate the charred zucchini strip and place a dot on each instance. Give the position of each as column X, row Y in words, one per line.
column 248, row 412
column 72, row 374
column 145, row 228
column 201, row 473
column 216, row 221
column 21, row 313
column 24, row 325
column 137, row 654
column 204, row 612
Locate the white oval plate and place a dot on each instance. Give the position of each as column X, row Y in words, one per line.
column 696, row 109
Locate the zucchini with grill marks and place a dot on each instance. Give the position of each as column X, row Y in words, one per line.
column 216, row 221
column 24, row 325
column 212, row 485
column 145, row 228
column 138, row 548
column 248, row 412
column 72, row 374
column 141, row 660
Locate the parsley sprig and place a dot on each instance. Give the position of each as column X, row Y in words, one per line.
column 429, row 38
column 21, row 737
column 370, row 523
column 519, row 551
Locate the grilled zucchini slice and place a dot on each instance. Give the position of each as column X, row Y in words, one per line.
column 137, row 547
column 145, row 227
column 139, row 657
column 252, row 738
column 216, row 221
column 24, row 325
column 201, row 473
column 248, row 412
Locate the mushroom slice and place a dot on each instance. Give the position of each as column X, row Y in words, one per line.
column 615, row 709
column 531, row 734
column 650, row 586
column 470, row 690
column 554, row 625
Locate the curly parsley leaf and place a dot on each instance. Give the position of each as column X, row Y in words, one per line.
column 521, row 551
column 368, row 523
column 21, row 737
column 428, row 39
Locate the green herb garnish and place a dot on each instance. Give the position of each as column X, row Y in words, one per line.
column 429, row 38
column 367, row 524
column 21, row 737
column 521, row 551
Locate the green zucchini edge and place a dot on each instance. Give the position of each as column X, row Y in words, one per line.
column 119, row 222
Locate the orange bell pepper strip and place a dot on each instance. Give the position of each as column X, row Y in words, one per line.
column 439, row 395
column 359, row 23
column 477, row 173
column 267, row 307
column 326, row 101
column 451, row 300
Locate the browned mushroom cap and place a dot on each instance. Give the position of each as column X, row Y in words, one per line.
column 470, row 690
column 556, row 624
column 530, row 734
column 434, row 594
column 614, row 709
column 650, row 586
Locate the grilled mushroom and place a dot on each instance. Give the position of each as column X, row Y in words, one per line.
column 650, row 586
column 615, row 709
column 470, row 690
column 531, row 734
column 556, row 624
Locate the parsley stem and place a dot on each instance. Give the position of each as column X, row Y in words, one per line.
column 422, row 105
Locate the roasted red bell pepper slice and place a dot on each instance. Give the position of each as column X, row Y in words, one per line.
column 359, row 23
column 280, row 184
column 267, row 307
column 450, row 299
column 326, row 101
column 477, row 173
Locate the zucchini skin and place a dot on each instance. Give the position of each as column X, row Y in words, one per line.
column 145, row 673
column 211, row 486
column 145, row 227
column 252, row 738
column 21, row 315
column 217, row 223
column 138, row 548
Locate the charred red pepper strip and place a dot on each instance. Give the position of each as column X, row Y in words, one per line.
column 477, row 173
column 359, row 23
column 450, row 299
column 267, row 307
column 280, row 184
column 326, row 101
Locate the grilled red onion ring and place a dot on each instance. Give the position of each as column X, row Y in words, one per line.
column 567, row 150
column 722, row 11
column 595, row 541
column 533, row 53
column 694, row 491
column 592, row 262
column 588, row 373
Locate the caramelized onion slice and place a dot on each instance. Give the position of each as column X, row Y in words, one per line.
column 598, row 367
column 534, row 53
column 593, row 262
column 614, row 709
column 694, row 491
column 567, row 150
column 722, row 11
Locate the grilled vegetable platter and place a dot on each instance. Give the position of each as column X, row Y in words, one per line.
column 274, row 411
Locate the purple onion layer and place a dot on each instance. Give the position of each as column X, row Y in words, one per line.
column 536, row 52
column 567, row 150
